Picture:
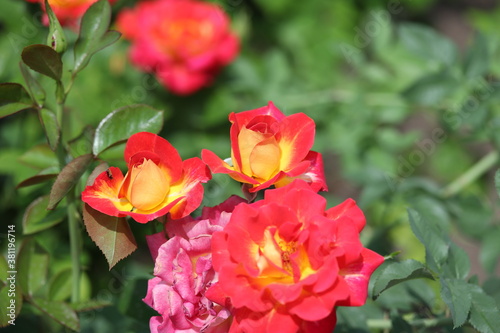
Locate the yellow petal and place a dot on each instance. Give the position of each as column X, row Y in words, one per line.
column 265, row 159
column 148, row 186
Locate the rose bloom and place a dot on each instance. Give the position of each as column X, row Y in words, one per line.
column 285, row 262
column 184, row 42
column 157, row 182
column 68, row 12
column 183, row 272
column 269, row 148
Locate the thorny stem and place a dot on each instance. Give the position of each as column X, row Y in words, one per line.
column 478, row 169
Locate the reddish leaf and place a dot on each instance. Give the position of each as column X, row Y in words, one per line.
column 37, row 179
column 68, row 176
column 111, row 234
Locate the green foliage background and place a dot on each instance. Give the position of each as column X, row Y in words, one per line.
column 405, row 96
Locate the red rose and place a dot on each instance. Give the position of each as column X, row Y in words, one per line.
column 285, row 263
column 157, row 182
column 184, row 42
column 269, row 148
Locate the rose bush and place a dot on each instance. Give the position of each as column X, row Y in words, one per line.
column 183, row 272
column 68, row 12
column 285, row 262
column 184, row 42
column 269, row 148
column 157, row 182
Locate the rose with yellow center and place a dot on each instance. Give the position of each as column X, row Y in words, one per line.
column 285, row 262
column 184, row 43
column 269, row 148
column 157, row 182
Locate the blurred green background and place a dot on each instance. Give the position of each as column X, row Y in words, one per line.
column 405, row 96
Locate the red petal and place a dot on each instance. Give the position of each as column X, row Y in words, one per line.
column 297, row 137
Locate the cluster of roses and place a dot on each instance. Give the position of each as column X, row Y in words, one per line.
column 183, row 42
column 280, row 264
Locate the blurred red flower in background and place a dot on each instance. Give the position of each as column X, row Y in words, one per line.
column 184, row 42
column 285, row 262
column 157, row 182
column 68, row 12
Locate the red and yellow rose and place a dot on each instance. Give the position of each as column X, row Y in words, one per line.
column 285, row 262
column 269, row 148
column 157, row 182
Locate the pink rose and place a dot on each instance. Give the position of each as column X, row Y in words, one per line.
column 183, row 273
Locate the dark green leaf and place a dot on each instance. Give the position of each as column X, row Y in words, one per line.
column 51, row 127
column 60, row 285
column 56, row 37
column 120, row 124
column 13, row 98
column 44, row 60
column 426, row 43
column 93, row 28
column 456, row 294
column 477, row 59
column 32, row 268
column 42, row 176
column 59, row 311
column 497, row 181
column 34, row 87
column 111, row 234
column 37, row 218
column 457, row 264
column 393, row 273
column 435, row 242
column 68, row 177
column 432, row 89
column 484, row 312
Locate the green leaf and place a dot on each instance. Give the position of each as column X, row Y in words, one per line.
column 426, row 43
column 484, row 312
column 120, row 124
column 456, row 294
column 56, row 37
column 457, row 264
column 13, row 98
column 431, row 89
column 82, row 144
column 11, row 302
column 68, row 177
column 59, row 311
column 36, row 90
column 477, row 59
column 393, row 273
column 60, row 285
column 32, row 268
column 44, row 60
column 3, row 270
column 37, row 218
column 93, row 33
column 429, row 234
column 111, row 234
column 51, row 127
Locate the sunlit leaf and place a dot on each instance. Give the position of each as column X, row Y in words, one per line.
column 120, row 124
column 11, row 303
column 393, row 273
column 39, row 157
column 37, row 218
column 44, row 60
column 68, row 177
column 13, row 98
column 60, row 285
column 34, row 87
column 59, row 311
column 32, row 268
column 111, row 234
column 51, row 127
